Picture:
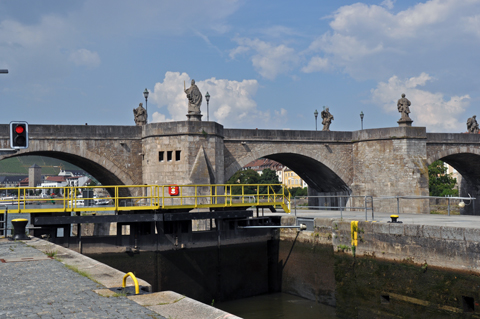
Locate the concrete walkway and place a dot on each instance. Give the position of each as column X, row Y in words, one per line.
column 45, row 288
column 33, row 285
column 464, row 221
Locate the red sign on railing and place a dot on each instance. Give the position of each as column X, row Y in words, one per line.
column 173, row 190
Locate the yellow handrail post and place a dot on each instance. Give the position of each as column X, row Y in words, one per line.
column 137, row 290
column 116, row 197
column 163, row 195
column 258, row 194
column 196, row 196
column 243, row 194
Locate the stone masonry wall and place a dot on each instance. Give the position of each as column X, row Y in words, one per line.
column 183, row 153
column 390, row 162
column 112, row 154
column 318, row 157
column 454, row 248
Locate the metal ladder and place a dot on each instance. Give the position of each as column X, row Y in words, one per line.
column 4, row 222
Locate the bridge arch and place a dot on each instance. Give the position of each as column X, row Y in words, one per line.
column 320, row 167
column 467, row 163
column 104, row 170
column 451, row 152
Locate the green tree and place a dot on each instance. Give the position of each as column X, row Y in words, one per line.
column 248, row 176
column 439, row 182
column 298, row 191
column 269, row 177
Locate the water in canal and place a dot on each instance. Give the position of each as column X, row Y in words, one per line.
column 264, row 281
column 277, row 306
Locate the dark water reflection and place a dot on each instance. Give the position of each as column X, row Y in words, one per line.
column 337, row 285
column 277, row 306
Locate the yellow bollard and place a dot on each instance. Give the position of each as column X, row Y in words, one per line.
column 19, row 225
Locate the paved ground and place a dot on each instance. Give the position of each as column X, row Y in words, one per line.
column 47, row 289
column 466, row 221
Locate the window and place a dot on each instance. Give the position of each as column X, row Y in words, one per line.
column 169, row 156
column 177, row 155
column 160, row 156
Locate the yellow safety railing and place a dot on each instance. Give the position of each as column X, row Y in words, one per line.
column 143, row 197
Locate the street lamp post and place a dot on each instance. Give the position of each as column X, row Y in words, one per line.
column 316, row 115
column 145, row 94
column 207, row 97
column 3, row 71
column 361, row 117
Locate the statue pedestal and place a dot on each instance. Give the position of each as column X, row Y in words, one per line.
column 195, row 117
column 405, row 122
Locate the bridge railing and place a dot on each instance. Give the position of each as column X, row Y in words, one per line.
column 142, row 197
column 341, row 203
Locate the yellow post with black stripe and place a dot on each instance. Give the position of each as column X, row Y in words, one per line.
column 354, row 232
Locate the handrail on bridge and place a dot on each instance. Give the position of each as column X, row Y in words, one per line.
column 448, row 198
column 143, row 197
column 342, row 204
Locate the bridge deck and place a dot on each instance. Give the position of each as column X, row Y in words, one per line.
column 148, row 197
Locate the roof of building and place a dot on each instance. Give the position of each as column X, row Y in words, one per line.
column 8, row 179
column 55, row 178
column 264, row 163
column 24, row 182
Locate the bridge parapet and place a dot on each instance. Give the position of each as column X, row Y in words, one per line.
column 447, row 138
column 287, row 135
column 83, row 132
column 390, row 133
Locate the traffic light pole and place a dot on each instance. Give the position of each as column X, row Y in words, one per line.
column 6, row 151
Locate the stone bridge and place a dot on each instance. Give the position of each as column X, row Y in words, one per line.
column 377, row 162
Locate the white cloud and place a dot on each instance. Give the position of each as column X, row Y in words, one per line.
column 428, row 109
column 44, row 44
column 472, row 24
column 158, row 17
column 84, row 57
column 388, row 4
column 159, row 117
column 231, row 102
column 316, row 64
column 372, row 42
column 269, row 60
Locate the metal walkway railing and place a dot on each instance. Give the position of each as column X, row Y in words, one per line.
column 143, row 197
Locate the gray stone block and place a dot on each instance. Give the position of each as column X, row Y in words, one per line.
column 453, row 233
column 323, row 222
column 343, row 226
column 396, row 229
column 432, row 231
column 413, row 230
column 288, row 221
column 472, row 235
column 381, row 228
column 367, row 227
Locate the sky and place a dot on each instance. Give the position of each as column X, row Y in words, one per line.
column 265, row 64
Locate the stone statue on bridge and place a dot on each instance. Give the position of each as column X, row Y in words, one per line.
column 194, row 101
column 140, row 115
column 327, row 119
column 403, row 106
column 472, row 125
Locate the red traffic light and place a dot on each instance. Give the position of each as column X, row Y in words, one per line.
column 18, row 135
column 20, row 129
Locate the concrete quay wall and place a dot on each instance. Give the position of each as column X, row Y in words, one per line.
column 455, row 248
